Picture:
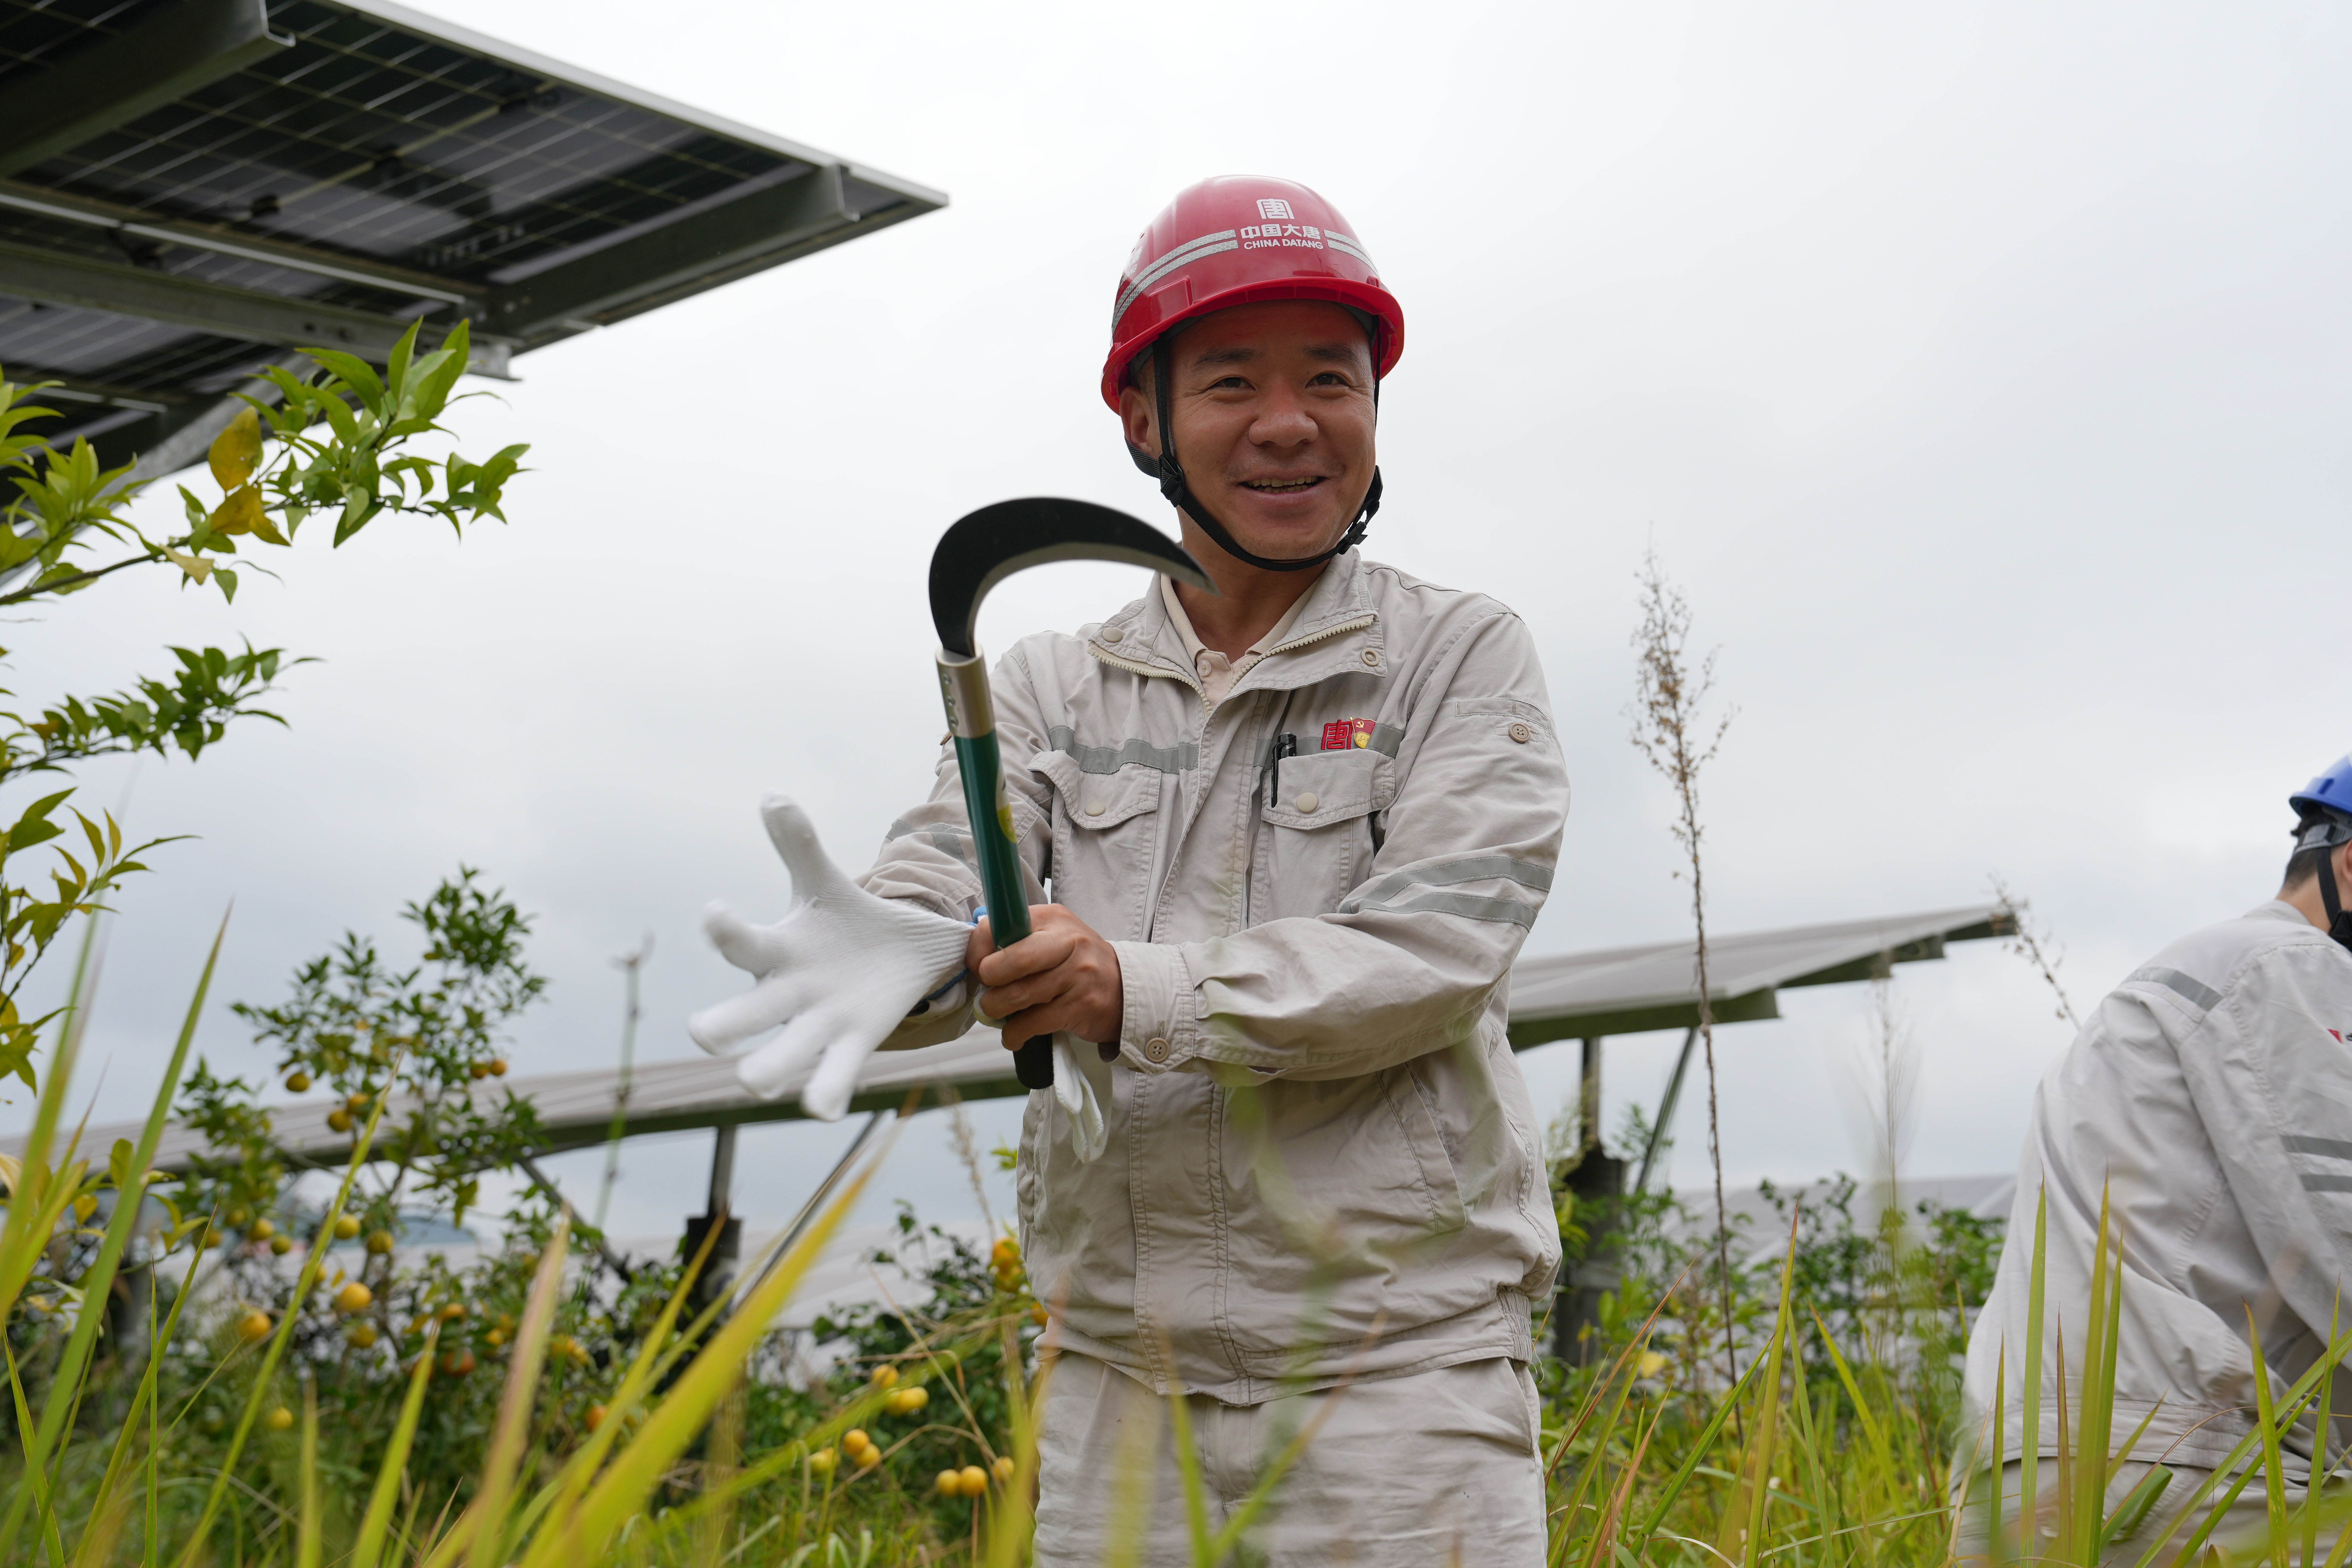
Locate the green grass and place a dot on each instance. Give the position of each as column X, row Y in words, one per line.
column 686, row 1445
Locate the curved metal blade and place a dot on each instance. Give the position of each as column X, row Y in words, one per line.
column 985, row 547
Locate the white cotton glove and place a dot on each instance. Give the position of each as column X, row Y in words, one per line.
column 1081, row 1084
column 839, row 973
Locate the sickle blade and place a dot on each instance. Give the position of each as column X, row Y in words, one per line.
column 987, row 546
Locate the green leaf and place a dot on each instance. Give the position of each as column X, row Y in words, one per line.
column 356, row 374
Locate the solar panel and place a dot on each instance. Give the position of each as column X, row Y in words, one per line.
column 191, row 189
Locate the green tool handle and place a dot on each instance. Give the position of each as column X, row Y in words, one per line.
column 965, row 686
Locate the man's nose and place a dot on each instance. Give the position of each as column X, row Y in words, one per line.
column 1284, row 420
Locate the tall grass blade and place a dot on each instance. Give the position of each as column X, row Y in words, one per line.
column 2323, row 1433
column 308, row 1526
column 521, row 1396
column 143, row 1403
column 1767, row 1418
column 368, row 1548
column 636, row 1469
column 40, row 1193
column 1188, row 1474
column 1011, row 1529
column 313, row 1265
column 2274, row 1473
column 2029, row 1386
column 65, row 1384
column 1700, row 1449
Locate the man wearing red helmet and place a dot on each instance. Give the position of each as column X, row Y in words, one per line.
column 1295, row 833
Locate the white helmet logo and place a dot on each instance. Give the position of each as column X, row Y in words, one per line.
column 1274, row 209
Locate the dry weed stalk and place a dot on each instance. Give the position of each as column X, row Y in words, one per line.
column 1671, row 733
column 967, row 1147
column 2034, row 947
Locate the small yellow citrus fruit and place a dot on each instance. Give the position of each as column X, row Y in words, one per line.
column 356, row 1102
column 361, row 1334
column 497, row 1066
column 907, row 1401
column 479, row 1070
column 340, row 1120
column 263, row 1229
column 1004, row 1467
column 975, row 1481
column 378, row 1241
column 885, row 1375
column 298, row 1081
column 823, row 1461
column 949, row 1483
column 596, row 1417
column 237, row 1218
column 254, row 1325
column 354, row 1297
column 279, row 1419
column 347, row 1226
column 281, row 1245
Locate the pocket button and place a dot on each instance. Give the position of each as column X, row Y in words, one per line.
column 1373, row 658
column 1155, row 1049
column 1521, row 733
column 1094, row 807
column 1113, row 634
column 1306, row 802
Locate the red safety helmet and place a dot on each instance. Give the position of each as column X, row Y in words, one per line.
column 1237, row 240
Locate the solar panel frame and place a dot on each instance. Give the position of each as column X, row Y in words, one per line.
column 377, row 166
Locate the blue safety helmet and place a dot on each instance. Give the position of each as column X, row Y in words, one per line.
column 2323, row 808
column 2323, row 819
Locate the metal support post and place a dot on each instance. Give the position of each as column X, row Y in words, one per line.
column 718, row 1271
column 1597, row 1184
column 1658, row 1129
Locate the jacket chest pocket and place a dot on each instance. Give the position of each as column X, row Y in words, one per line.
column 1106, row 836
column 1316, row 837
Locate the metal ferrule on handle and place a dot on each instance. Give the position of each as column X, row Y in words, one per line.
column 971, row 721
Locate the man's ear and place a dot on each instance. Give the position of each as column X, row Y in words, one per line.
column 1136, row 415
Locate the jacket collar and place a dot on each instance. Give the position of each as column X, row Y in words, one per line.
column 1334, row 632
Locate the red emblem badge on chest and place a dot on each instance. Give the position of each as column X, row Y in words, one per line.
column 1342, row 734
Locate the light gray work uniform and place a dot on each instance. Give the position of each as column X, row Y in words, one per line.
column 1323, row 1166
column 2209, row 1097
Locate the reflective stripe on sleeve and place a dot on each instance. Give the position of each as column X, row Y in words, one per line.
column 2191, row 990
column 1387, row 895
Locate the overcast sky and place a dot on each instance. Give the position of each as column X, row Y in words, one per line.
column 1979, row 372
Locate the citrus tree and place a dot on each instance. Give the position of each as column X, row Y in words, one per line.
column 335, row 443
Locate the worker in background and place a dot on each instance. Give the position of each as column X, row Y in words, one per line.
column 1294, row 833
column 2208, row 1100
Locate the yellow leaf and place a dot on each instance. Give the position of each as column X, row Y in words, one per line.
column 196, row 566
column 241, row 513
column 237, row 451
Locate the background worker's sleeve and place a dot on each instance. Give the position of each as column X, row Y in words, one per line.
column 2272, row 1077
column 927, row 853
column 1418, row 954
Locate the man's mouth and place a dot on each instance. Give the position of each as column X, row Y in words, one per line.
column 1283, row 487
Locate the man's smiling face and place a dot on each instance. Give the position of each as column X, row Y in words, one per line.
column 1274, row 419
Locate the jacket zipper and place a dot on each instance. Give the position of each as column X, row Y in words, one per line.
column 1356, row 625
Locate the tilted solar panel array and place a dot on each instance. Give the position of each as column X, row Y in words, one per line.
column 381, row 165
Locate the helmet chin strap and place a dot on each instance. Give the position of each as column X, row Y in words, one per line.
column 2339, row 923
column 1178, row 492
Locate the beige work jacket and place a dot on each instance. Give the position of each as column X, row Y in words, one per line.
column 2208, row 1103
column 1322, row 1155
